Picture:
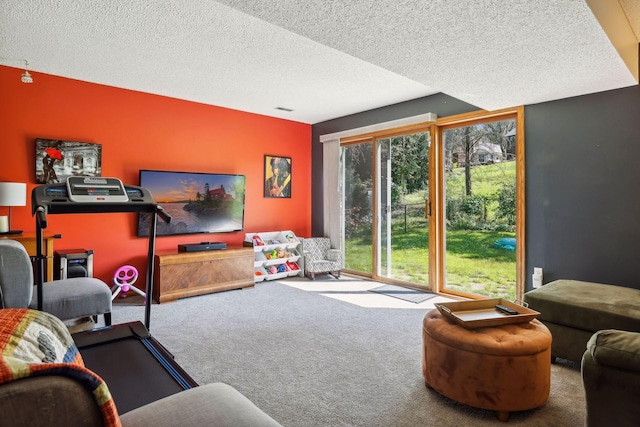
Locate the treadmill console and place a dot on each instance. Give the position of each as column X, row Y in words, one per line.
column 81, row 194
column 86, row 189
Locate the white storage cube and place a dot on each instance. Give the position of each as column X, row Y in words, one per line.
column 294, row 255
column 274, row 240
column 260, row 274
column 289, row 238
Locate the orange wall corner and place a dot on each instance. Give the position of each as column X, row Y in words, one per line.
column 144, row 131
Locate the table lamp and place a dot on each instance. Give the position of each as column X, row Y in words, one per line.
column 11, row 194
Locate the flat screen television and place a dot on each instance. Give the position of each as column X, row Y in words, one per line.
column 197, row 202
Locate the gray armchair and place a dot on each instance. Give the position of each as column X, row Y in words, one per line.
column 611, row 378
column 319, row 257
column 66, row 299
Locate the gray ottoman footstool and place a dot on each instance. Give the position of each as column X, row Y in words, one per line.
column 574, row 310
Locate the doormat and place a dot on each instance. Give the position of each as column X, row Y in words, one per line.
column 406, row 294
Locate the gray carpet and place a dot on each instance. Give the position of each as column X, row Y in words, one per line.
column 309, row 360
column 406, row 294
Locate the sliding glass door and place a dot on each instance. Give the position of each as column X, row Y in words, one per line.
column 480, row 237
column 385, row 185
column 357, row 186
column 438, row 205
column 402, row 238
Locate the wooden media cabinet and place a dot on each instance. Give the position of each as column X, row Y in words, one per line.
column 186, row 274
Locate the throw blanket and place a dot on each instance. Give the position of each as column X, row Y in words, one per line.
column 34, row 343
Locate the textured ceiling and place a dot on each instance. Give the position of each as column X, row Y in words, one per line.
column 321, row 58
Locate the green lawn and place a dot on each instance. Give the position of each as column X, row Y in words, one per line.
column 473, row 264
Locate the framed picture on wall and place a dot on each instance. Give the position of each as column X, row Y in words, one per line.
column 57, row 159
column 277, row 176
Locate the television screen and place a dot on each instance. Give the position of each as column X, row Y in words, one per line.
column 197, row 202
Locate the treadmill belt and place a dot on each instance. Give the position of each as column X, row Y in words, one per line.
column 137, row 370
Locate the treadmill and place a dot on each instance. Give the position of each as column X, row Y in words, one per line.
column 136, row 367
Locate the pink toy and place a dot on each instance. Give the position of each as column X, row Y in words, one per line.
column 123, row 280
column 257, row 241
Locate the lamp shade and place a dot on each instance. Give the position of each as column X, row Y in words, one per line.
column 13, row 194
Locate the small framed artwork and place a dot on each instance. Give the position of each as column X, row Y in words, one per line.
column 56, row 160
column 277, row 176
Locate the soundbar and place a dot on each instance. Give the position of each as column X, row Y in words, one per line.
column 202, row 246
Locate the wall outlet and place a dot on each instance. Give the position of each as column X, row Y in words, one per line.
column 536, row 278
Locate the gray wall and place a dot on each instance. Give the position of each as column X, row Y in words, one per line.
column 582, row 158
column 582, row 180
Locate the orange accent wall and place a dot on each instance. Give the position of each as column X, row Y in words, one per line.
column 143, row 131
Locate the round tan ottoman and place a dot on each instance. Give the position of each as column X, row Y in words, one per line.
column 502, row 368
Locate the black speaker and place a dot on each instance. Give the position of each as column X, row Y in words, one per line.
column 72, row 263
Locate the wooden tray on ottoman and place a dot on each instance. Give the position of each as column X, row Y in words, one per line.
column 483, row 313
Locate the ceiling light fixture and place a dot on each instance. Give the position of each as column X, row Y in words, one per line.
column 26, row 77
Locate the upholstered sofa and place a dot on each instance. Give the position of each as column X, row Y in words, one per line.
column 43, row 382
column 60, row 401
column 574, row 310
column 611, row 378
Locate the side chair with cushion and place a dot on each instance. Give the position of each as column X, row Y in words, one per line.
column 319, row 257
column 66, row 299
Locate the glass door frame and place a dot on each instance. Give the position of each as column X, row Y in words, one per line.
column 361, row 139
column 373, row 138
column 435, row 205
column 438, row 270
